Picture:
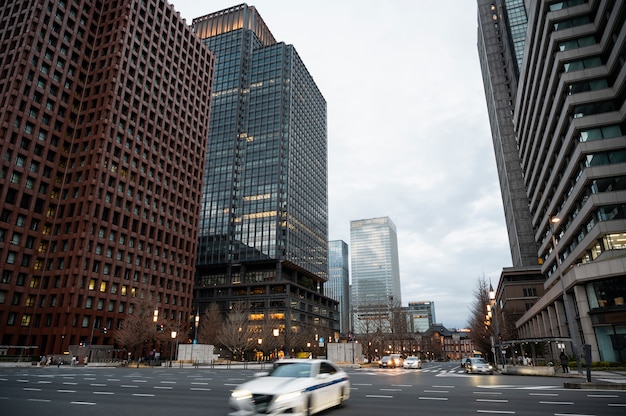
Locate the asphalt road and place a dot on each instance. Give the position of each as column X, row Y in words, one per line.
column 435, row 389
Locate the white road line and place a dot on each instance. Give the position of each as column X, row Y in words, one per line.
column 493, row 400
column 39, row 400
column 70, row 383
column 571, row 414
column 199, row 389
column 201, row 384
column 559, row 403
column 436, row 391
column 129, row 386
column 84, row 403
column 401, row 385
column 66, row 391
column 543, row 394
column 502, row 412
column 44, row 382
column 432, row 398
column 97, row 385
column 390, row 389
column 143, row 395
column 163, row 387
column 443, row 387
column 168, row 382
column 113, row 379
column 488, row 393
column 376, row 396
column 603, row 395
column 140, row 381
column 31, row 389
column 617, row 404
column 361, row 384
column 103, row 392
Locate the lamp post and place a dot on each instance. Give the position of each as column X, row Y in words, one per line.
column 492, row 308
column 568, row 312
column 195, row 334
column 173, row 334
column 276, row 333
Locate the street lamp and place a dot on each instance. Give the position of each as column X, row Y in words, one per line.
column 195, row 334
column 174, row 333
column 491, row 310
column 276, row 333
column 568, row 312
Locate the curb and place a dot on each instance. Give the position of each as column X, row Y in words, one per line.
column 594, row 386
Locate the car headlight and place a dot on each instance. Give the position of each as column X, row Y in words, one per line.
column 288, row 396
column 241, row 394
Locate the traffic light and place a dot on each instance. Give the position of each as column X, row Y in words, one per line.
column 160, row 328
column 104, row 329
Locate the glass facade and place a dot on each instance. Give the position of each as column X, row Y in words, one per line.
column 264, row 216
column 338, row 285
column 375, row 266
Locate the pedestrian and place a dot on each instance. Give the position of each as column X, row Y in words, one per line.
column 564, row 362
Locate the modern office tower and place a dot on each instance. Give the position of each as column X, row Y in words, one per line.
column 375, row 272
column 501, row 33
column 263, row 230
column 569, row 122
column 421, row 315
column 338, row 285
column 104, row 110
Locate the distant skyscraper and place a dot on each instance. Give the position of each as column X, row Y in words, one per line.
column 264, row 220
column 105, row 115
column 338, row 285
column 421, row 315
column 568, row 115
column 375, row 267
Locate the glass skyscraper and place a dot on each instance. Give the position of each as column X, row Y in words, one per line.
column 264, row 222
column 375, row 269
column 338, row 285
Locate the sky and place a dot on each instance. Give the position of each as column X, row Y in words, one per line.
column 408, row 133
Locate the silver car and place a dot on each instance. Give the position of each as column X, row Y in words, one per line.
column 478, row 365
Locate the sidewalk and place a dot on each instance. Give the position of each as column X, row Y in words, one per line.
column 600, row 380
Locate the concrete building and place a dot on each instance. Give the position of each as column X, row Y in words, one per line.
column 338, row 285
column 264, row 220
column 104, row 114
column 375, row 273
column 568, row 117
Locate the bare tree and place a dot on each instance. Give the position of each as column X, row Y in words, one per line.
column 480, row 333
column 236, row 334
column 210, row 325
column 271, row 335
column 137, row 329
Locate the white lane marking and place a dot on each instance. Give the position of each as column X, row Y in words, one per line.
column 39, row 400
column 84, row 403
column 66, row 391
column 168, row 382
column 199, row 389
column 559, row 403
column 97, row 385
column 103, row 392
column 201, row 384
column 390, row 389
column 128, row 386
column 143, row 395
column 376, row 396
column 603, row 395
column 70, row 383
column 500, row 412
column 543, row 394
column 432, row 398
column 31, row 389
column 443, row 387
column 493, row 400
column 163, row 387
column 617, row 404
column 140, row 381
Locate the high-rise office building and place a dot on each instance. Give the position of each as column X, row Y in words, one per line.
column 263, row 230
column 375, row 270
column 338, row 285
column 421, row 315
column 104, row 110
column 568, row 118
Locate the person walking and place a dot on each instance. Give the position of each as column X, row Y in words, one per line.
column 564, row 362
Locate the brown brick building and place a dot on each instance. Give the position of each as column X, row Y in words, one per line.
column 104, row 114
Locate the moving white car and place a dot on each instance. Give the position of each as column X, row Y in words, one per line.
column 478, row 365
column 412, row 362
column 294, row 386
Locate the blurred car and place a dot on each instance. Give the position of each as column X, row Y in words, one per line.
column 386, row 361
column 478, row 365
column 397, row 360
column 412, row 362
column 294, row 386
column 464, row 361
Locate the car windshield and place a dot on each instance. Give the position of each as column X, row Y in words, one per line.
column 291, row 370
column 478, row 361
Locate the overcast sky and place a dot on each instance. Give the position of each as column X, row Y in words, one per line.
column 408, row 133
